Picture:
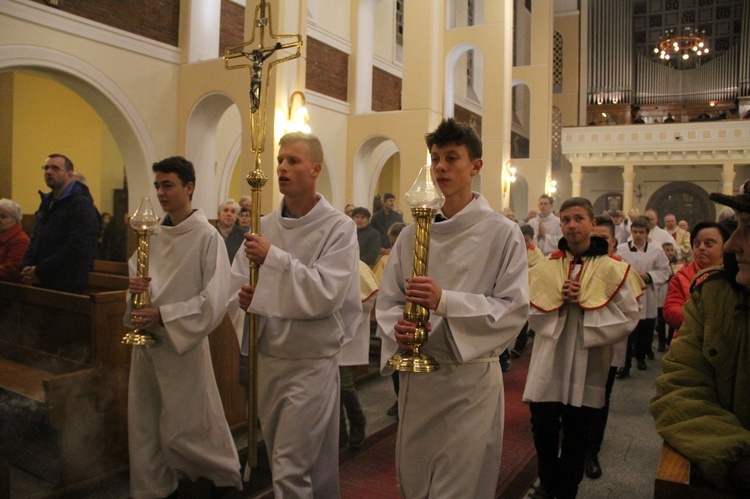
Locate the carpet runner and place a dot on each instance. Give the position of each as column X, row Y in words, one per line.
column 370, row 473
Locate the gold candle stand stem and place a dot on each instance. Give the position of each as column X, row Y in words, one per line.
column 416, row 361
column 141, row 300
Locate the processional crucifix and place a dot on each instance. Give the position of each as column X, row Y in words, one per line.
column 256, row 178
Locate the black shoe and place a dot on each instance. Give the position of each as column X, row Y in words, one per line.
column 623, row 372
column 650, row 353
column 593, row 470
column 357, row 434
column 505, row 362
column 642, row 365
column 393, row 410
column 515, row 354
column 662, row 347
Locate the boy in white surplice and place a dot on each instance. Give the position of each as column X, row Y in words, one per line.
column 451, row 420
column 176, row 423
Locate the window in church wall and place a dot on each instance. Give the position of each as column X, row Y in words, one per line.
column 557, row 68
column 398, row 42
column 464, row 13
column 521, row 34
column 556, row 138
column 520, row 117
column 467, row 76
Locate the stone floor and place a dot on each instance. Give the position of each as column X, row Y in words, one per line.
column 630, row 453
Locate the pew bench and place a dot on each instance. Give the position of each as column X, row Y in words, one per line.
column 673, row 479
column 64, row 379
column 61, row 365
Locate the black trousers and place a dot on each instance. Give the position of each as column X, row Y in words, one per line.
column 639, row 341
column 561, row 458
column 599, row 420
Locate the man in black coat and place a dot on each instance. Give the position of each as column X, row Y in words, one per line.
column 61, row 252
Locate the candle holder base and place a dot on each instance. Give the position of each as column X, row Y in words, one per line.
column 413, row 363
column 138, row 337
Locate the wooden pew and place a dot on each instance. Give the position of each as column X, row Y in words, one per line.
column 64, row 372
column 61, row 369
column 673, row 479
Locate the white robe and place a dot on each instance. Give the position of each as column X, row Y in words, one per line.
column 308, row 299
column 450, row 421
column 654, row 262
column 176, row 423
column 357, row 351
column 548, row 243
column 561, row 368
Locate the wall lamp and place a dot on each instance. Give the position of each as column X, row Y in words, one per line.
column 509, row 175
column 298, row 119
column 551, row 187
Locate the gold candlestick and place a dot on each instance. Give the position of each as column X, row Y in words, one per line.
column 425, row 199
column 143, row 222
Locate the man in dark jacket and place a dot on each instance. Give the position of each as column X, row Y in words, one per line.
column 61, row 252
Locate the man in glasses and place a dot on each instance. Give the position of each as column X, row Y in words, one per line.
column 61, row 252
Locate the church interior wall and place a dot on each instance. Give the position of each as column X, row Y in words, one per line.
column 75, row 130
column 6, row 134
column 333, row 17
column 384, row 35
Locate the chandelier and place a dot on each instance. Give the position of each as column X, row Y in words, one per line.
column 682, row 45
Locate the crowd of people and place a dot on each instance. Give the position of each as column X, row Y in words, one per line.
column 593, row 292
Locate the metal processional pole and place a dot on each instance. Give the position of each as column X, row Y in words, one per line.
column 257, row 55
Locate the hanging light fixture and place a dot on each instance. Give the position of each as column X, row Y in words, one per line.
column 683, row 44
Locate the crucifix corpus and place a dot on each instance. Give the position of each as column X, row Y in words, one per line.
column 254, row 57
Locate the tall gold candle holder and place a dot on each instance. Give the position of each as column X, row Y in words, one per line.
column 143, row 222
column 425, row 199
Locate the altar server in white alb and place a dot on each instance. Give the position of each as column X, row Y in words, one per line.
column 308, row 297
column 581, row 304
column 451, row 420
column 176, row 423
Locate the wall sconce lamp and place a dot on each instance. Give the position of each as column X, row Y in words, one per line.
column 551, row 187
column 509, row 175
column 298, row 120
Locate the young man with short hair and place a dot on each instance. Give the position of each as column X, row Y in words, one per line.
column 648, row 259
column 384, row 218
column 176, row 423
column 546, row 226
column 580, row 306
column 310, row 306
column 450, row 421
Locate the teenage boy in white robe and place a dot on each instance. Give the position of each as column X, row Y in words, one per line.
column 309, row 304
column 176, row 424
column 648, row 259
column 581, row 305
column 451, row 420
